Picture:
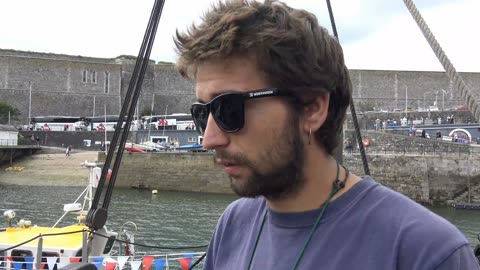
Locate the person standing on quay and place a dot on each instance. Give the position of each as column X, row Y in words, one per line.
column 67, row 151
column 272, row 90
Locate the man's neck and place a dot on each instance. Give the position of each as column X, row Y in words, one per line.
column 320, row 171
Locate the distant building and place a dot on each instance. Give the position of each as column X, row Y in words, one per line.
column 8, row 135
column 46, row 84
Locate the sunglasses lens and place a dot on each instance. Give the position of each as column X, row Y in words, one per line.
column 228, row 111
column 200, row 116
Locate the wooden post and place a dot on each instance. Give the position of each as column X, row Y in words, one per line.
column 84, row 247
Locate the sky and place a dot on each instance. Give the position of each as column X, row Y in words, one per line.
column 375, row 34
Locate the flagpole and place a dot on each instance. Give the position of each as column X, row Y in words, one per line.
column 29, row 103
column 105, row 127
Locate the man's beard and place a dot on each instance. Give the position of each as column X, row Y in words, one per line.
column 282, row 167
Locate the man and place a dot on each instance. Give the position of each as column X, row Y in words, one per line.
column 272, row 90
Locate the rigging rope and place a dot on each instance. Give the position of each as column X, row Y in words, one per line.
column 452, row 73
column 358, row 134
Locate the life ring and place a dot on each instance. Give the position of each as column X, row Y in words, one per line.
column 366, row 142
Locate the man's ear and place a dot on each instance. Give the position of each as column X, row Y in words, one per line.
column 315, row 113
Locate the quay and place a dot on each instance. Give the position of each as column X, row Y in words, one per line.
column 13, row 146
column 428, row 171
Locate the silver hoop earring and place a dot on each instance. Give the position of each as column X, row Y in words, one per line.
column 310, row 136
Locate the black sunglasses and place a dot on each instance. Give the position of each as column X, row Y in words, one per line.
column 227, row 109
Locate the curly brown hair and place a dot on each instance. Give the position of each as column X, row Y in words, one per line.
column 291, row 48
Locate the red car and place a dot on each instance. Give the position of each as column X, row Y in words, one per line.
column 461, row 108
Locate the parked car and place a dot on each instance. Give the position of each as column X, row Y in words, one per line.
column 461, row 108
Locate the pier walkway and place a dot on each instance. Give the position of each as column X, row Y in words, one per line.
column 8, row 153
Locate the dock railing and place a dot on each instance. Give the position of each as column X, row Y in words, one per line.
column 390, row 144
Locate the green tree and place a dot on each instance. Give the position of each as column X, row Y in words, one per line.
column 5, row 109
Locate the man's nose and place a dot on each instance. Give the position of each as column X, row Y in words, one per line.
column 214, row 137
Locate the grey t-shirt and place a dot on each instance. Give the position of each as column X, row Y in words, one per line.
column 369, row 227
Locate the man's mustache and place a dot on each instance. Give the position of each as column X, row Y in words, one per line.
column 233, row 158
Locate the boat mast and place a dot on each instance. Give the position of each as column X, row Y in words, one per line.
column 151, row 114
column 165, row 121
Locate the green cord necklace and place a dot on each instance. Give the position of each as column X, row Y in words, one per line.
column 336, row 186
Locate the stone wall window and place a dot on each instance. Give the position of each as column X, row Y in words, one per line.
column 93, row 75
column 192, row 139
column 173, row 139
column 107, row 82
column 84, row 76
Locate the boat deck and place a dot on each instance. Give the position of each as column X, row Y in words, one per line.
column 13, row 236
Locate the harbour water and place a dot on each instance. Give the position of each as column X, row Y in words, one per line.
column 163, row 219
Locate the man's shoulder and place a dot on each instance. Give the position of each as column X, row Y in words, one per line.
column 415, row 227
column 412, row 230
column 398, row 208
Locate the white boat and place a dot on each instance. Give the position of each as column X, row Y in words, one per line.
column 24, row 245
column 148, row 146
column 195, row 147
column 22, row 241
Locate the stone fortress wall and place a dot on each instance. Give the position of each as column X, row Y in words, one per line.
column 388, row 89
column 84, row 86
